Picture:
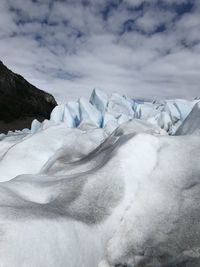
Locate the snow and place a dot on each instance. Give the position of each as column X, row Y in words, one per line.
column 123, row 118
column 26, row 131
column 110, row 127
column 87, row 198
column 95, row 186
column 47, row 123
column 31, row 153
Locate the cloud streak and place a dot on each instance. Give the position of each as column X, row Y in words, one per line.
column 140, row 48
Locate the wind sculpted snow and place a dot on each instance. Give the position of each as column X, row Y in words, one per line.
column 85, row 198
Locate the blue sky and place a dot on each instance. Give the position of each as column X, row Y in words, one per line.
column 148, row 49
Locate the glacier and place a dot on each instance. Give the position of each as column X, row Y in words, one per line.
column 191, row 125
column 106, row 182
column 101, row 111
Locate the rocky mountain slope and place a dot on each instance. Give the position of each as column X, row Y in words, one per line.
column 21, row 102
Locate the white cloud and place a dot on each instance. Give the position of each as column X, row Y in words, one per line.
column 67, row 48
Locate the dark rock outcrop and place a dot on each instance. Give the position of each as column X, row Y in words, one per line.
column 21, row 102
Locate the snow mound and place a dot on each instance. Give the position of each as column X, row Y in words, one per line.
column 90, row 197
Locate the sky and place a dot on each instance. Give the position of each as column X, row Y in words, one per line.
column 144, row 49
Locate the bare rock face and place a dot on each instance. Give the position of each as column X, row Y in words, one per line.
column 21, row 102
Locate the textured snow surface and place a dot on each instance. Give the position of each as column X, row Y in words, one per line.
column 126, row 196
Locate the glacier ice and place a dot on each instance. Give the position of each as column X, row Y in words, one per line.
column 171, row 109
column 30, row 153
column 74, row 110
column 2, row 136
column 35, row 126
column 57, row 113
column 108, row 117
column 68, row 119
column 103, row 184
column 147, row 110
column 102, row 110
column 183, row 107
column 118, row 105
column 123, row 118
column 191, row 125
column 88, row 113
column 99, row 99
column 164, row 120
column 86, row 197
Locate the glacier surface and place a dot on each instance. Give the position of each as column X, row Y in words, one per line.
column 103, row 111
column 103, row 183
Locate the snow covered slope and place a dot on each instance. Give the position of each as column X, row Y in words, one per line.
column 85, row 197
